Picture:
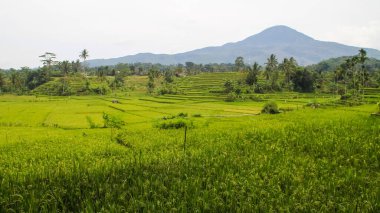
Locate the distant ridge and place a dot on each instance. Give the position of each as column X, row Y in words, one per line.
column 280, row 40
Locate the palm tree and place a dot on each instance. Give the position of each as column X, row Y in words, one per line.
column 349, row 67
column 252, row 74
column 239, row 63
column 65, row 67
column 256, row 68
column 271, row 70
column 362, row 57
column 75, row 66
column 2, row 80
column 286, row 67
column 84, row 55
column 15, row 80
column 354, row 62
column 293, row 61
column 271, row 66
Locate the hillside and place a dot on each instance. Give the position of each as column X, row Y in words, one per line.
column 331, row 64
column 280, row 40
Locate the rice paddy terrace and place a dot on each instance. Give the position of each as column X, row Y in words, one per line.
column 56, row 154
column 209, row 87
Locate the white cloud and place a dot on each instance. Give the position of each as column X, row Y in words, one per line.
column 116, row 28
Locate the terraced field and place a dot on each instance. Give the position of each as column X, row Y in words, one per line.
column 56, row 154
column 209, row 87
column 372, row 94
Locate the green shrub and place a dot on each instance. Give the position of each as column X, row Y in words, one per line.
column 259, row 89
column 231, row 97
column 351, row 99
column 168, row 117
column 346, row 96
column 182, row 115
column 270, row 108
column 167, row 89
column 122, row 139
column 101, row 89
column 238, row 91
column 228, row 86
column 112, row 121
column 197, row 115
column 174, row 123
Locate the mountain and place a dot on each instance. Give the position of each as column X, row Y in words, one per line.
column 279, row 40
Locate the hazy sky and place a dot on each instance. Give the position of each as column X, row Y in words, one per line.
column 114, row 28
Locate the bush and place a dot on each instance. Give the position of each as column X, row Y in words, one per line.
column 228, row 86
column 121, row 138
column 238, row 91
column 101, row 89
column 197, row 115
column 168, row 117
column 270, row 108
column 259, row 89
column 182, row 115
column 351, row 99
column 167, row 89
column 346, row 96
column 231, row 97
column 112, row 121
column 174, row 124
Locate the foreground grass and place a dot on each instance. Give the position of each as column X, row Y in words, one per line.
column 305, row 160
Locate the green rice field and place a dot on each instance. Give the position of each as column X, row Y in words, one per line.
column 57, row 156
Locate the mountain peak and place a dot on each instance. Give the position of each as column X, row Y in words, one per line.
column 279, row 34
column 279, row 28
column 280, row 40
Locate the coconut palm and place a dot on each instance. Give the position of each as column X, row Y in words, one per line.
column 2, row 80
column 271, row 70
column 362, row 57
column 252, row 74
column 287, row 67
column 84, row 55
column 271, row 66
column 65, row 67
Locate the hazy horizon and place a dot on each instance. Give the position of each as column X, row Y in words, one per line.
column 117, row 28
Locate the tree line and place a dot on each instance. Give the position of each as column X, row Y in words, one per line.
column 349, row 77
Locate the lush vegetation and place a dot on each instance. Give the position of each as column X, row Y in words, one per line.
column 349, row 76
column 53, row 158
column 181, row 139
